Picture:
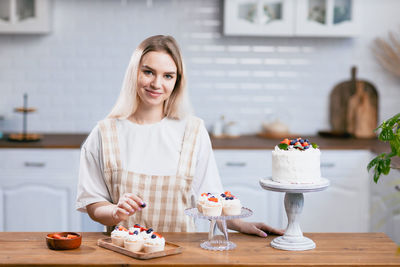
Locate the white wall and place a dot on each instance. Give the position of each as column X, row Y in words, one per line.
column 73, row 75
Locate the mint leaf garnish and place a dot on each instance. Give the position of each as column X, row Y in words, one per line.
column 314, row 145
column 283, row 146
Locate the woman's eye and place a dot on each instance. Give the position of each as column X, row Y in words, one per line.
column 147, row 72
column 169, row 77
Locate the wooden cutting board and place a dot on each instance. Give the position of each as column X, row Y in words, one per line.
column 351, row 111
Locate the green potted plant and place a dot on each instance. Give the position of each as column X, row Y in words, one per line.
column 390, row 132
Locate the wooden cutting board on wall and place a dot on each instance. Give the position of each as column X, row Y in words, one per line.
column 354, row 107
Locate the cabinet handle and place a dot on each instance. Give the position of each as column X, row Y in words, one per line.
column 235, row 164
column 34, row 164
column 327, row 164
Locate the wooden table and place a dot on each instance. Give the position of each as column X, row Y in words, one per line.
column 333, row 249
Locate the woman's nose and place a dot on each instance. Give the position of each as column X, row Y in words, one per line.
column 156, row 83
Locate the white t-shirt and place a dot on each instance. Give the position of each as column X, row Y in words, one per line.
column 151, row 149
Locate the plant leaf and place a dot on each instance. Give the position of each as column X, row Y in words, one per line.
column 372, row 163
column 386, row 134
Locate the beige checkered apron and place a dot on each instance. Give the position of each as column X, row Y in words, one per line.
column 166, row 196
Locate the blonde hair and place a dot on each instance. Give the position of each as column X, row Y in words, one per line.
column 177, row 105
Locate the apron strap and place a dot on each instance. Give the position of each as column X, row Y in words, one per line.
column 187, row 159
column 109, row 139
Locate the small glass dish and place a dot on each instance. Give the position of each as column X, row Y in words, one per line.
column 60, row 240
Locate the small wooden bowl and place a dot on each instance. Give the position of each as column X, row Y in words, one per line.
column 63, row 244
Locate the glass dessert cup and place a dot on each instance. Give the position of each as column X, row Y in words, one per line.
column 218, row 242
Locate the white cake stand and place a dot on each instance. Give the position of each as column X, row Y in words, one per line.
column 293, row 238
column 218, row 242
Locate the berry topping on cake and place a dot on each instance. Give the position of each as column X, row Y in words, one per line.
column 157, row 234
column 153, row 236
column 121, row 228
column 149, row 230
column 297, row 144
column 213, row 199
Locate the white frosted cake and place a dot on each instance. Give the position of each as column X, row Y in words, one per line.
column 296, row 161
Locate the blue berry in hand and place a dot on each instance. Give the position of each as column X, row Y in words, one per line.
column 143, row 205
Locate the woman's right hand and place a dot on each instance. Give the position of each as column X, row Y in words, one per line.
column 127, row 205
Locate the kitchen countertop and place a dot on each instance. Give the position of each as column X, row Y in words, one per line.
column 74, row 141
column 333, row 249
column 243, row 142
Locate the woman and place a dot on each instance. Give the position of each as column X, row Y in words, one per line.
column 148, row 159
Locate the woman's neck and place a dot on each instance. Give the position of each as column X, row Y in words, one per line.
column 147, row 116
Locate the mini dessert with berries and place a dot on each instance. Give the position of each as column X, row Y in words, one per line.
column 212, row 206
column 296, row 161
column 202, row 199
column 230, row 204
column 154, row 244
column 134, row 241
column 147, row 233
column 118, row 235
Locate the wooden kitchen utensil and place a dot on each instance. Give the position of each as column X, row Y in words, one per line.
column 339, row 104
column 361, row 114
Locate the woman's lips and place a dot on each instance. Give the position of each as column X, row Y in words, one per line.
column 153, row 93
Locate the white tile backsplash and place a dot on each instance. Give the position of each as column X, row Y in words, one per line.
column 73, row 75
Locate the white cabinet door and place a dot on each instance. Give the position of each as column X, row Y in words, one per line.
column 36, row 207
column 327, row 18
column 345, row 205
column 240, row 172
column 259, row 17
column 24, row 16
column 38, row 190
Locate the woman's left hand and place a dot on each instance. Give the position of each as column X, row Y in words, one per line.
column 254, row 228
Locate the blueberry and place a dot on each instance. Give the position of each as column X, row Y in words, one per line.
column 149, row 230
column 223, row 195
column 231, row 198
column 306, row 147
column 153, row 236
column 136, row 233
column 301, row 141
column 292, row 142
column 227, row 198
column 143, row 205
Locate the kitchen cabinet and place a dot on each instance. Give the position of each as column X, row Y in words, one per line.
column 343, row 207
column 38, row 191
column 327, row 18
column 263, row 17
column 314, row 18
column 24, row 16
column 240, row 172
column 385, row 205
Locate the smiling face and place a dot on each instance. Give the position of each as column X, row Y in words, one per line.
column 156, row 79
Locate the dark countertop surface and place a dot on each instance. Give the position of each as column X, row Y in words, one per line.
column 243, row 142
